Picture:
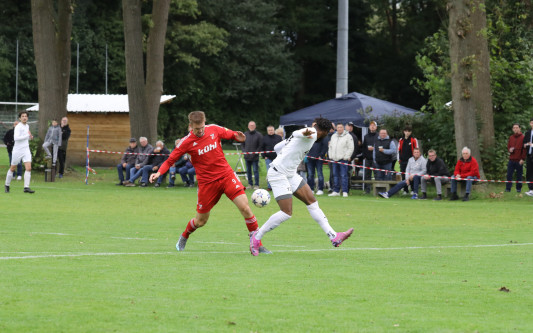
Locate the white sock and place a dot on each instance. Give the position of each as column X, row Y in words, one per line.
column 27, row 178
column 273, row 222
column 318, row 215
column 9, row 177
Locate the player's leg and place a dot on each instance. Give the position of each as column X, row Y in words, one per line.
column 208, row 196
column 304, row 194
column 27, row 175
column 9, row 175
column 197, row 222
column 283, row 194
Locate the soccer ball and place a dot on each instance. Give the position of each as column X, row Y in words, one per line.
column 260, row 198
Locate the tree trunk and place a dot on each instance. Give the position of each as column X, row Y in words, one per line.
column 144, row 96
column 470, row 76
column 133, row 39
column 155, row 63
column 51, row 40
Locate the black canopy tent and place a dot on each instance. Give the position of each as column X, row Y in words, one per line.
column 353, row 107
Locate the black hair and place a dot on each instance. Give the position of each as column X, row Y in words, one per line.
column 408, row 128
column 323, row 124
column 22, row 112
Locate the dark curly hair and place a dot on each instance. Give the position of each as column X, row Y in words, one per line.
column 323, row 124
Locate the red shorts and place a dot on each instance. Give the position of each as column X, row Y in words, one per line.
column 210, row 193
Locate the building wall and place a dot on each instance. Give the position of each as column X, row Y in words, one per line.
column 107, row 131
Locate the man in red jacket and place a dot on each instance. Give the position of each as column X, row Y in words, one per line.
column 517, row 156
column 467, row 170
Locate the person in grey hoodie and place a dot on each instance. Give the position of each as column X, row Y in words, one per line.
column 416, row 168
column 340, row 150
column 142, row 159
column 52, row 138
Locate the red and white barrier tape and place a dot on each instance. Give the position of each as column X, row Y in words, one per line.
column 327, row 161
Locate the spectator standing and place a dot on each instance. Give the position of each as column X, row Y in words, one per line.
column 269, row 141
column 62, row 152
column 528, row 146
column 128, row 161
column 253, row 143
column 314, row 163
column 9, row 141
column 406, row 146
column 517, row 156
column 52, row 138
column 466, row 169
column 384, row 148
column 356, row 147
column 142, row 159
column 436, row 171
column 340, row 150
column 368, row 152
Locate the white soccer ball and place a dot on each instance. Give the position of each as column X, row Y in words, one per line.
column 261, row 198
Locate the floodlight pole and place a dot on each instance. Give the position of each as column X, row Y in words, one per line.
column 342, row 50
column 17, row 82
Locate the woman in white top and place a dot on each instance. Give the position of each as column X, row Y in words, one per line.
column 286, row 182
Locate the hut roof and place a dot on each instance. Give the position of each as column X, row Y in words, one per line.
column 99, row 103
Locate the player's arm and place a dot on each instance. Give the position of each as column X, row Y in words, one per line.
column 174, row 156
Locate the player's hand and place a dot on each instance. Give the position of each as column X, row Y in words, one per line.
column 239, row 136
column 308, row 132
column 154, row 176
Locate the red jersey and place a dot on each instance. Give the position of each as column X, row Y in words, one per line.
column 206, row 154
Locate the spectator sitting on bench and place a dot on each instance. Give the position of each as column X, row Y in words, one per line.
column 466, row 169
column 416, row 168
column 160, row 154
column 436, row 168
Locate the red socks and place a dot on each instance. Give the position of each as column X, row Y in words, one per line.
column 190, row 229
column 251, row 224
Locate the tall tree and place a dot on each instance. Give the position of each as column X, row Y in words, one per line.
column 470, row 75
column 144, row 94
column 52, row 29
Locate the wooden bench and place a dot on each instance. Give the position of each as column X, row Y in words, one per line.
column 377, row 185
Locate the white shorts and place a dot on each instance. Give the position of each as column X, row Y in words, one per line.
column 282, row 186
column 18, row 155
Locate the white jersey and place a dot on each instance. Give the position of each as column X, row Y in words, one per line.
column 292, row 151
column 21, row 136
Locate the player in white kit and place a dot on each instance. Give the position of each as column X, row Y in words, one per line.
column 21, row 152
column 286, row 182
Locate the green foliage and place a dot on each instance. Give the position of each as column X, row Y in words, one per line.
column 510, row 35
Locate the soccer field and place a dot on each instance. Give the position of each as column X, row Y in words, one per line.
column 102, row 258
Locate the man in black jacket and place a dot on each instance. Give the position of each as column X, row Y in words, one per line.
column 269, row 141
column 159, row 155
column 253, row 143
column 368, row 152
column 9, row 141
column 318, row 150
column 435, row 169
column 62, row 152
column 128, row 161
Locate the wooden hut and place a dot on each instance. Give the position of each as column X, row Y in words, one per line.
column 109, row 127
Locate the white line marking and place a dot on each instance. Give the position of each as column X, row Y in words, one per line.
column 134, row 238
column 225, row 243
column 50, row 233
column 237, row 252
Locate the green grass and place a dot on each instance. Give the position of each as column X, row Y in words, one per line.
column 101, row 258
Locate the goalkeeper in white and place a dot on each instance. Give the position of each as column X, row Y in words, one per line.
column 286, row 182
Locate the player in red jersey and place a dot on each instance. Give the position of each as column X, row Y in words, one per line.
column 214, row 174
